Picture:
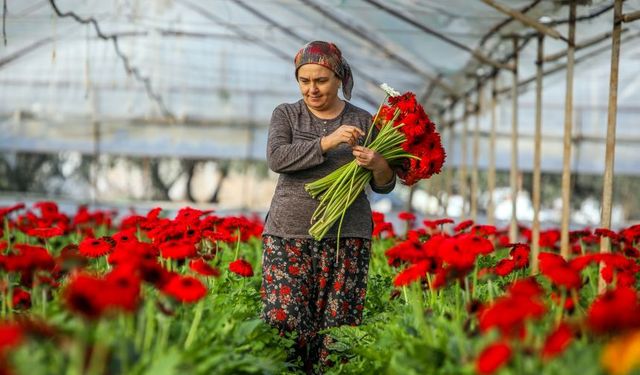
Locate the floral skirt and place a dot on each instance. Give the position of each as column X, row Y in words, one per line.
column 305, row 291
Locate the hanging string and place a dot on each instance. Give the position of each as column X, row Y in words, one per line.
column 129, row 68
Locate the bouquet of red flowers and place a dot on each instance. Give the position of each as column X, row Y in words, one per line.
column 406, row 138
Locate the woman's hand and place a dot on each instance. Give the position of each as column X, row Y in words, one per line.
column 344, row 134
column 369, row 159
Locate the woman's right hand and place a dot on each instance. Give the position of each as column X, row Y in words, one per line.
column 344, row 134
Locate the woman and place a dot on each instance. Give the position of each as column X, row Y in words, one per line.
column 304, row 289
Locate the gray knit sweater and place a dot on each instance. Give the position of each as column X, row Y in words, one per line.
column 293, row 151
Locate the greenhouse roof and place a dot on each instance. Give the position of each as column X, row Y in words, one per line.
column 201, row 78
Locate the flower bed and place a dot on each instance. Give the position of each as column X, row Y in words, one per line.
column 182, row 295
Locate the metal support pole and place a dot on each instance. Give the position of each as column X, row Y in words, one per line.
column 607, row 191
column 491, row 173
column 448, row 177
column 476, row 150
column 513, row 176
column 568, row 127
column 535, row 229
column 462, row 172
column 96, row 160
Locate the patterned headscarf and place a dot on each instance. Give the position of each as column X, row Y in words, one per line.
column 329, row 56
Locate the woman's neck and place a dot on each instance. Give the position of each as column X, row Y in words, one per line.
column 329, row 113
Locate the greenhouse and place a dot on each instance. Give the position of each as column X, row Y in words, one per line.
column 320, row 186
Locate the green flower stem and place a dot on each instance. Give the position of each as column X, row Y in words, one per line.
column 560, row 311
column 98, row 358
column 375, row 118
column 4, row 305
column 43, row 291
column 149, row 329
column 237, row 244
column 432, row 291
column 475, row 279
column 9, row 297
column 320, row 228
column 339, row 189
column 161, row 341
column 344, row 211
column 194, row 324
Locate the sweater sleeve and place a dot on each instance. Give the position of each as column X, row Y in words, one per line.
column 283, row 154
column 386, row 188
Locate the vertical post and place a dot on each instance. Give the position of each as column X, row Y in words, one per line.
column 513, row 175
column 462, row 172
column 247, row 188
column 146, row 178
column 607, row 191
column 448, row 178
column 438, row 185
column 491, row 173
column 96, row 160
column 476, row 150
column 568, row 127
column 535, row 230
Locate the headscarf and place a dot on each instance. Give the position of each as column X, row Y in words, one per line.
column 329, row 56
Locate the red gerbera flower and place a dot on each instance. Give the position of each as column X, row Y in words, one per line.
column 45, row 232
column 178, row 249
column 10, row 335
column 83, row 296
column 557, row 341
column 94, row 247
column 462, row 225
column 203, row 268
column 412, row 273
column 614, row 311
column 559, row 272
column 406, row 216
column 477, row 244
column 604, row 232
column 152, row 272
column 484, row 230
column 520, row 254
column 241, row 267
column 123, row 291
column 21, row 299
column 527, row 287
column 185, row 289
column 504, row 267
column 493, row 357
column 4, row 211
column 444, row 221
column 48, row 209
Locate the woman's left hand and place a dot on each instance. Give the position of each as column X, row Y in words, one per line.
column 369, row 159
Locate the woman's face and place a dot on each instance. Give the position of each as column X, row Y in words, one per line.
column 319, row 86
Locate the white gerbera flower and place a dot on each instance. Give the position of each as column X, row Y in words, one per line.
column 389, row 90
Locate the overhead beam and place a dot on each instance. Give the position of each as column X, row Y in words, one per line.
column 587, row 43
column 421, row 26
column 367, row 35
column 561, row 67
column 630, row 17
column 291, row 33
column 504, row 23
column 526, row 20
column 269, row 47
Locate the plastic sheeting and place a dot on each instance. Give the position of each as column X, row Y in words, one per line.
column 220, row 63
